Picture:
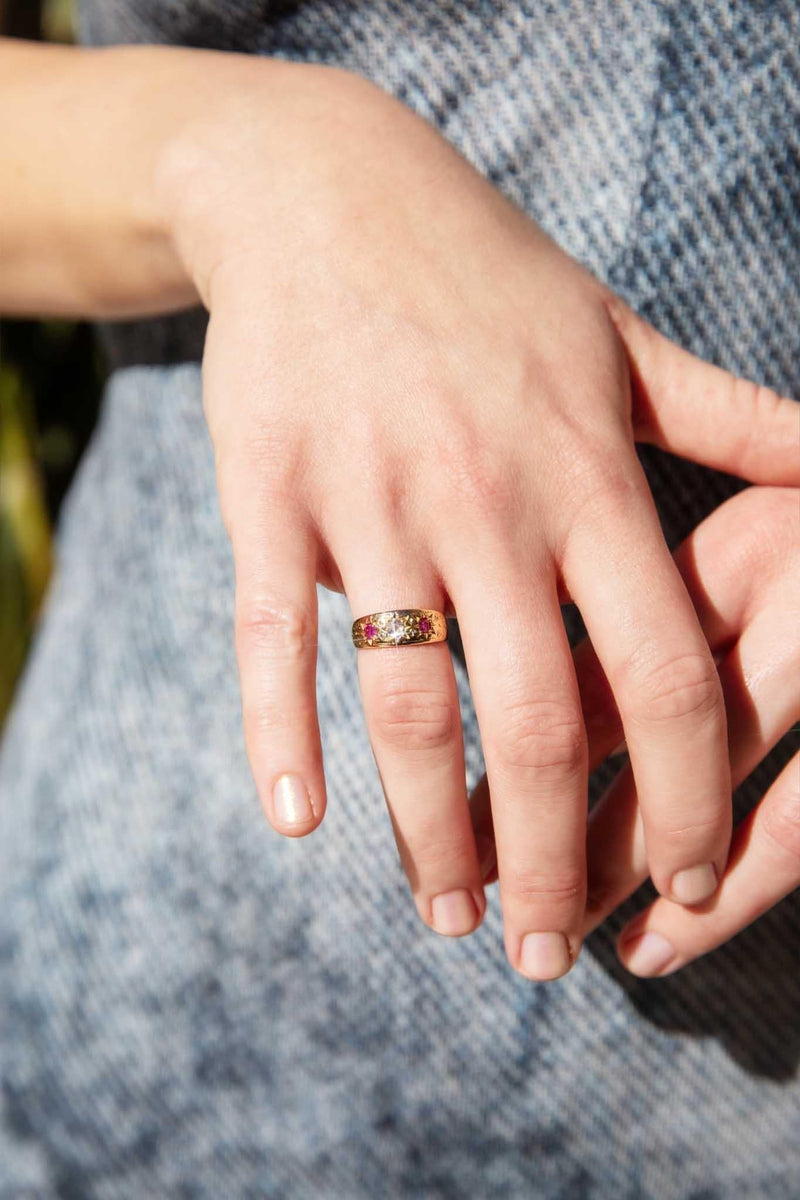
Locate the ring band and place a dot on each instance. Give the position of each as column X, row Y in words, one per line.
column 399, row 627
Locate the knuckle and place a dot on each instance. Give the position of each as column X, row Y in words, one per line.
column 413, row 718
column 275, row 629
column 678, row 834
column 761, row 524
column 762, row 404
column 256, row 473
column 600, row 488
column 541, row 734
column 433, row 850
column 781, row 822
column 531, row 886
column 686, row 685
column 471, row 478
column 266, row 449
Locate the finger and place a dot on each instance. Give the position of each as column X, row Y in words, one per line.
column 764, row 867
column 528, row 709
column 703, row 413
column 275, row 552
column 480, row 807
column 732, row 557
column 412, row 711
column 759, row 681
column 726, row 563
column 603, row 731
column 649, row 641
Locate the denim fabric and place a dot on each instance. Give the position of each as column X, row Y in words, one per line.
column 193, row 1006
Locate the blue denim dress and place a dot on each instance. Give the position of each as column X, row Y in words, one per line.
column 194, row 1007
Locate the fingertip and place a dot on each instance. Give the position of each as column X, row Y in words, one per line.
column 454, row 914
column 647, row 953
column 694, row 885
column 545, row 956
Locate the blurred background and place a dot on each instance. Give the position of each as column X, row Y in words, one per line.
column 51, row 377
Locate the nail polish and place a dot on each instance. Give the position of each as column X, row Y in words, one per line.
column 292, row 801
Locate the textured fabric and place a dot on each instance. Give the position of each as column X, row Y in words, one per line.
column 195, row 1007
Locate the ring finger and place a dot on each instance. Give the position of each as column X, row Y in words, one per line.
column 413, row 717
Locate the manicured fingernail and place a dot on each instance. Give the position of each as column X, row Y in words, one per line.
column 694, row 884
column 545, row 955
column 292, row 801
column 486, row 854
column 647, row 954
column 454, row 913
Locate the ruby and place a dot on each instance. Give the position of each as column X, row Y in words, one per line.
column 370, row 630
column 424, row 625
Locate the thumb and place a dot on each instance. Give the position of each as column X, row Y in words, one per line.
column 701, row 412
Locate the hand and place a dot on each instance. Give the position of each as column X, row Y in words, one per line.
column 742, row 569
column 416, row 398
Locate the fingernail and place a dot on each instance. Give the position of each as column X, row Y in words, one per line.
column 454, row 913
column 545, row 955
column 486, row 854
column 292, row 801
column 647, row 954
column 694, row 884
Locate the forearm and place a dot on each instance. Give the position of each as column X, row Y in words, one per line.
column 86, row 217
column 80, row 231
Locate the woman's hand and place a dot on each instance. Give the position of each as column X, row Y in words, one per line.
column 415, row 397
column 742, row 569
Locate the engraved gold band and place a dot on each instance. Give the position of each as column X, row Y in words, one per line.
column 399, row 627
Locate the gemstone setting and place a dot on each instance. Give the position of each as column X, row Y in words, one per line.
column 399, row 627
column 395, row 628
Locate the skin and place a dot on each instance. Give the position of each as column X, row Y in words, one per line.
column 741, row 567
column 416, row 398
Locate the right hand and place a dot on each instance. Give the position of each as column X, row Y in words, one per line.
column 416, row 398
column 742, row 568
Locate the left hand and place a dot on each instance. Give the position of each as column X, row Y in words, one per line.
column 741, row 567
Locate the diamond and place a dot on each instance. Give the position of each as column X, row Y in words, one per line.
column 395, row 628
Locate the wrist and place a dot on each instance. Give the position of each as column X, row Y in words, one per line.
column 256, row 165
column 80, row 228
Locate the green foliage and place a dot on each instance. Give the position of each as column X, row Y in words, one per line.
column 51, row 378
column 57, row 21
column 25, row 539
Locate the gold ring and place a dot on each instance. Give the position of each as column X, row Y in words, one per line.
column 399, row 627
